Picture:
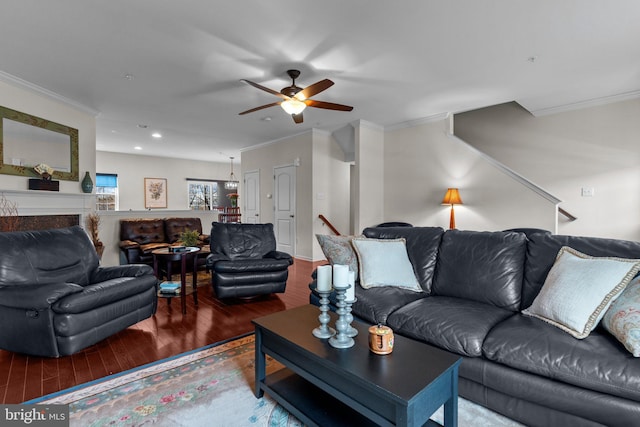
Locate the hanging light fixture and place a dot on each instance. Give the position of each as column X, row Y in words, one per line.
column 293, row 106
column 232, row 184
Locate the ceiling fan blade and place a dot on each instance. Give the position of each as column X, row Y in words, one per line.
column 327, row 105
column 314, row 89
column 297, row 118
column 266, row 89
column 273, row 104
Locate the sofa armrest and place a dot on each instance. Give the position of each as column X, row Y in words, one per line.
column 204, row 238
column 129, row 244
column 36, row 297
column 280, row 255
column 102, row 274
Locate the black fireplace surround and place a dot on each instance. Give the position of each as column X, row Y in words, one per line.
column 475, row 285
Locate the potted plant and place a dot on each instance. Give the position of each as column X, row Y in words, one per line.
column 234, row 199
column 190, row 237
column 93, row 227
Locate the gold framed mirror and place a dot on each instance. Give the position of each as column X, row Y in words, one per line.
column 27, row 140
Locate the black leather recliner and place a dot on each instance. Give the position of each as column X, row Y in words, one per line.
column 244, row 261
column 55, row 299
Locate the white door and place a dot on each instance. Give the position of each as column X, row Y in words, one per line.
column 285, row 208
column 251, row 192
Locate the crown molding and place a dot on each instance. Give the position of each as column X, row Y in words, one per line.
column 417, row 122
column 275, row 141
column 595, row 102
column 38, row 90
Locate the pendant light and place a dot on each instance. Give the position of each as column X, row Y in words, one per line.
column 232, row 184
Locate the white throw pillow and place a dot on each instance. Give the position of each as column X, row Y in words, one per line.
column 384, row 262
column 579, row 288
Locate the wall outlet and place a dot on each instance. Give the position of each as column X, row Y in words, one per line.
column 587, row 192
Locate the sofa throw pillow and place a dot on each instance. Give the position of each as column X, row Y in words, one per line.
column 385, row 262
column 338, row 250
column 579, row 288
column 622, row 319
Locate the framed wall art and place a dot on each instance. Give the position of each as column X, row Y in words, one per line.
column 155, row 193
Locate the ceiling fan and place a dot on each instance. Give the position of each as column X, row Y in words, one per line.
column 295, row 99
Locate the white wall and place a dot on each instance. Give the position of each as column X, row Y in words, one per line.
column 30, row 102
column 594, row 147
column 331, row 188
column 370, row 175
column 421, row 162
column 133, row 169
column 282, row 153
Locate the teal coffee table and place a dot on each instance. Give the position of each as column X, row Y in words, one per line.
column 325, row 386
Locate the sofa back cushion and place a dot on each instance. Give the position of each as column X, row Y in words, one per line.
column 482, row 266
column 542, row 250
column 47, row 256
column 242, row 241
column 174, row 227
column 142, row 231
column 422, row 248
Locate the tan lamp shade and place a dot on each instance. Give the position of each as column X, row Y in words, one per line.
column 452, row 197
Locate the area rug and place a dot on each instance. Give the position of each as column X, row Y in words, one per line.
column 212, row 386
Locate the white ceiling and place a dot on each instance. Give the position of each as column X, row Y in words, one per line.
column 393, row 61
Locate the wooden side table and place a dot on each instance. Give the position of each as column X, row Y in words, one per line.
column 169, row 257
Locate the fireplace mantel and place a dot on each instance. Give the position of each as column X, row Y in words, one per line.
column 33, row 202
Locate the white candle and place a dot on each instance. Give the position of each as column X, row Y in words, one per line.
column 323, row 278
column 340, row 275
column 351, row 292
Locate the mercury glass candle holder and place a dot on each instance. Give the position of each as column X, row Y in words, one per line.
column 341, row 339
column 324, row 331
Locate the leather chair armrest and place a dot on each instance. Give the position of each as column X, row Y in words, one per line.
column 102, row 274
column 129, row 244
column 280, row 255
column 213, row 258
column 36, row 297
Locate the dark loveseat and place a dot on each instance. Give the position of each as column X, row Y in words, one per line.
column 56, row 300
column 475, row 285
column 139, row 237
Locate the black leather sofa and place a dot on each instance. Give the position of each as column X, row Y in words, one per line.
column 55, row 299
column 475, row 285
column 244, row 262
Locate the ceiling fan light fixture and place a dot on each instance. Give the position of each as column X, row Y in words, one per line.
column 293, row 106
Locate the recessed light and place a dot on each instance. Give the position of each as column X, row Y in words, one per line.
column 156, row 135
column 129, row 77
column 137, row 147
column 266, row 119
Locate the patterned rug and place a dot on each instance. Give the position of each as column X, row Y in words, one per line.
column 205, row 387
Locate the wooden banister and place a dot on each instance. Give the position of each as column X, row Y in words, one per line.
column 328, row 224
column 567, row 214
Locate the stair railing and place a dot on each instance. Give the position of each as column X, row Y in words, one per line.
column 328, row 224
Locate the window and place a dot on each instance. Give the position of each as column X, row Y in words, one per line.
column 106, row 192
column 203, row 195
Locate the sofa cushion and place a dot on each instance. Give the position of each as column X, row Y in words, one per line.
column 384, row 262
column 422, row 248
column 174, row 227
column 542, row 250
column 338, row 250
column 579, row 289
column 486, row 267
column 376, row 304
column 142, row 231
column 622, row 319
column 598, row 362
column 251, row 265
column 455, row 324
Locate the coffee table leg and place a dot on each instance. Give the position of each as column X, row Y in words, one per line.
column 451, row 405
column 183, row 283
column 195, row 279
column 261, row 365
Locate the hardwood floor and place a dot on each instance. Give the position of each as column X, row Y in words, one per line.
column 167, row 333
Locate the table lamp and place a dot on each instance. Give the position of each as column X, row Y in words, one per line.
column 452, row 197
